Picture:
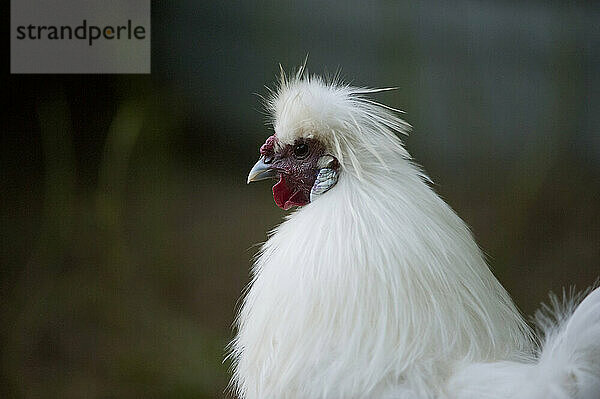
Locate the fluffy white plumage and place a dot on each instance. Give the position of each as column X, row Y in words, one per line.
column 377, row 289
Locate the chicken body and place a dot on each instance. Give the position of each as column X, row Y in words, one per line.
column 376, row 288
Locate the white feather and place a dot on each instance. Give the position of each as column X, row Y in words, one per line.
column 377, row 288
column 567, row 365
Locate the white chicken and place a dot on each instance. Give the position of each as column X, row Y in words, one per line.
column 374, row 288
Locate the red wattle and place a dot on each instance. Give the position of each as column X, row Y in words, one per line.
column 286, row 198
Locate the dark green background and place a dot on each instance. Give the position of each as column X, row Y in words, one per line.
column 127, row 227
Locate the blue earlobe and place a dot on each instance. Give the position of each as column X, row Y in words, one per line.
column 326, row 179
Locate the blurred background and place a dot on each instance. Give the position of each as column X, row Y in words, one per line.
column 127, row 227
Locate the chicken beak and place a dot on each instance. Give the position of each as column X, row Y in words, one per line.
column 261, row 171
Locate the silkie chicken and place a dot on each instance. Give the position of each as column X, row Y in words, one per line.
column 374, row 288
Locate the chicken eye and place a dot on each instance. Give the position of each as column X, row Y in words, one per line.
column 301, row 150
